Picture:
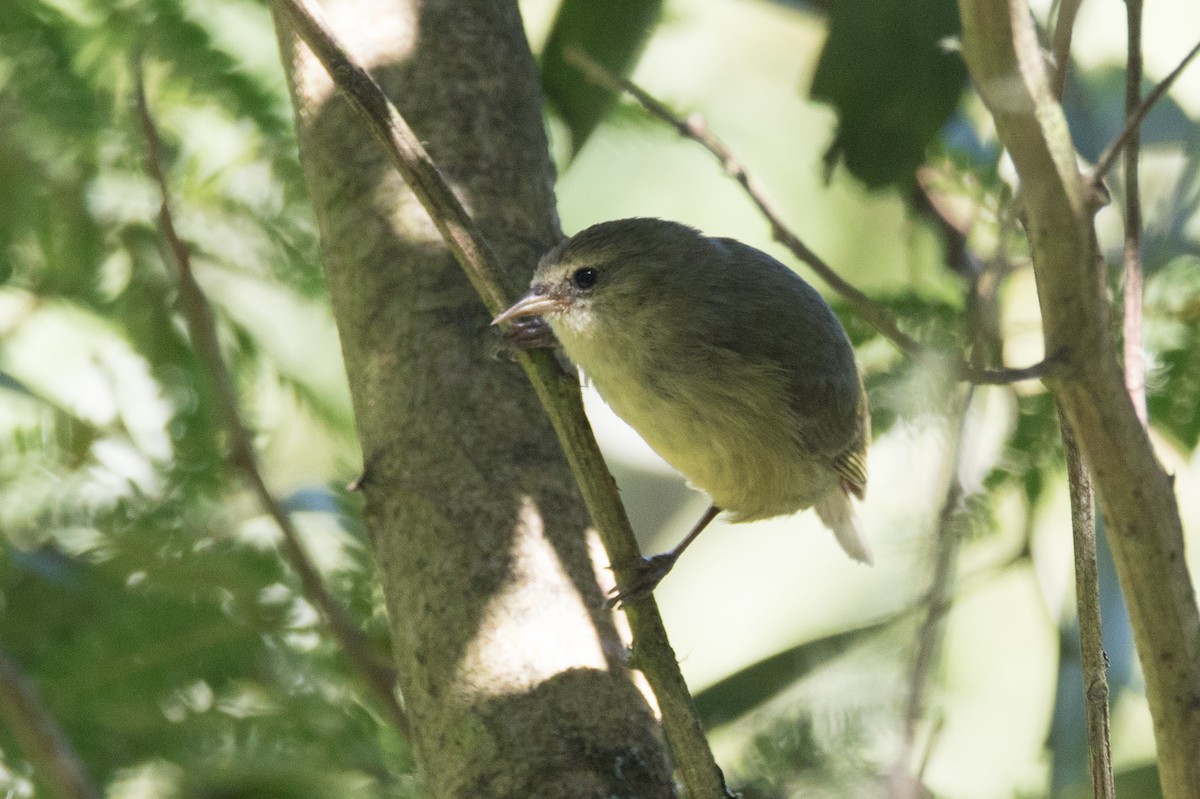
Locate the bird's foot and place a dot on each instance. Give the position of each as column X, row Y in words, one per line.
column 529, row 333
column 647, row 574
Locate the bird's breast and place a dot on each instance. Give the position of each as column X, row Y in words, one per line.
column 730, row 437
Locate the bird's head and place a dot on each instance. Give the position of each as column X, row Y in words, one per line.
column 611, row 274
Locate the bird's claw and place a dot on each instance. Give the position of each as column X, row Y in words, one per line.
column 647, row 574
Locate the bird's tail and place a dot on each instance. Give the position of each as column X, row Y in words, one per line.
column 839, row 516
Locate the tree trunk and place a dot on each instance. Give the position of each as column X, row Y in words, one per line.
column 510, row 669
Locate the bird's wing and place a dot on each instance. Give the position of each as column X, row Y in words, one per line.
column 851, row 464
column 832, row 423
column 768, row 315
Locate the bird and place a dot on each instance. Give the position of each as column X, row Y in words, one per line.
column 727, row 363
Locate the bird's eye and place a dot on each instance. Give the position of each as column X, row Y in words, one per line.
column 585, row 278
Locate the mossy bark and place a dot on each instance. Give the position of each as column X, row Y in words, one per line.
column 510, row 668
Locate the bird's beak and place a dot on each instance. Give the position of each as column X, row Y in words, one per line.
column 538, row 302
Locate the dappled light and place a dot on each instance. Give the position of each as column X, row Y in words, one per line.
column 183, row 646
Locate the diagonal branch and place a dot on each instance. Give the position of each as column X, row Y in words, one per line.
column 42, row 741
column 201, row 325
column 653, row 654
column 1134, row 121
column 877, row 315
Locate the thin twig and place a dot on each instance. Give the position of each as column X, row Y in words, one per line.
column 653, row 655
column 982, row 304
column 202, row 327
column 1087, row 592
column 947, row 537
column 1135, row 358
column 42, row 741
column 1064, row 28
column 1134, row 121
column 877, row 315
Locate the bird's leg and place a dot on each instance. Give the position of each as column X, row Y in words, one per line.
column 526, row 333
column 650, row 571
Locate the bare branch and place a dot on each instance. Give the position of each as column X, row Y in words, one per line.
column 1064, row 27
column 877, row 315
column 201, row 325
column 560, row 397
column 42, row 741
column 1087, row 596
column 1134, row 121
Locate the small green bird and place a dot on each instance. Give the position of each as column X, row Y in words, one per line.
column 728, row 364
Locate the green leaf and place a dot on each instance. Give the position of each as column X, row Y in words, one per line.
column 1172, row 335
column 754, row 685
column 887, row 71
column 612, row 33
column 52, row 118
column 169, row 639
column 109, row 649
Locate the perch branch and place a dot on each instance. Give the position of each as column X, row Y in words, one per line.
column 560, row 397
column 202, row 327
column 878, row 316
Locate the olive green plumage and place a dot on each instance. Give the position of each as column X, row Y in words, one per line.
column 728, row 364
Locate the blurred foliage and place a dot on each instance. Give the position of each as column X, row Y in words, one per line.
column 1173, row 334
column 612, row 33
column 139, row 586
column 793, row 757
column 887, row 70
column 896, row 387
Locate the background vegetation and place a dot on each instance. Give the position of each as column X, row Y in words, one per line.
column 140, row 588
